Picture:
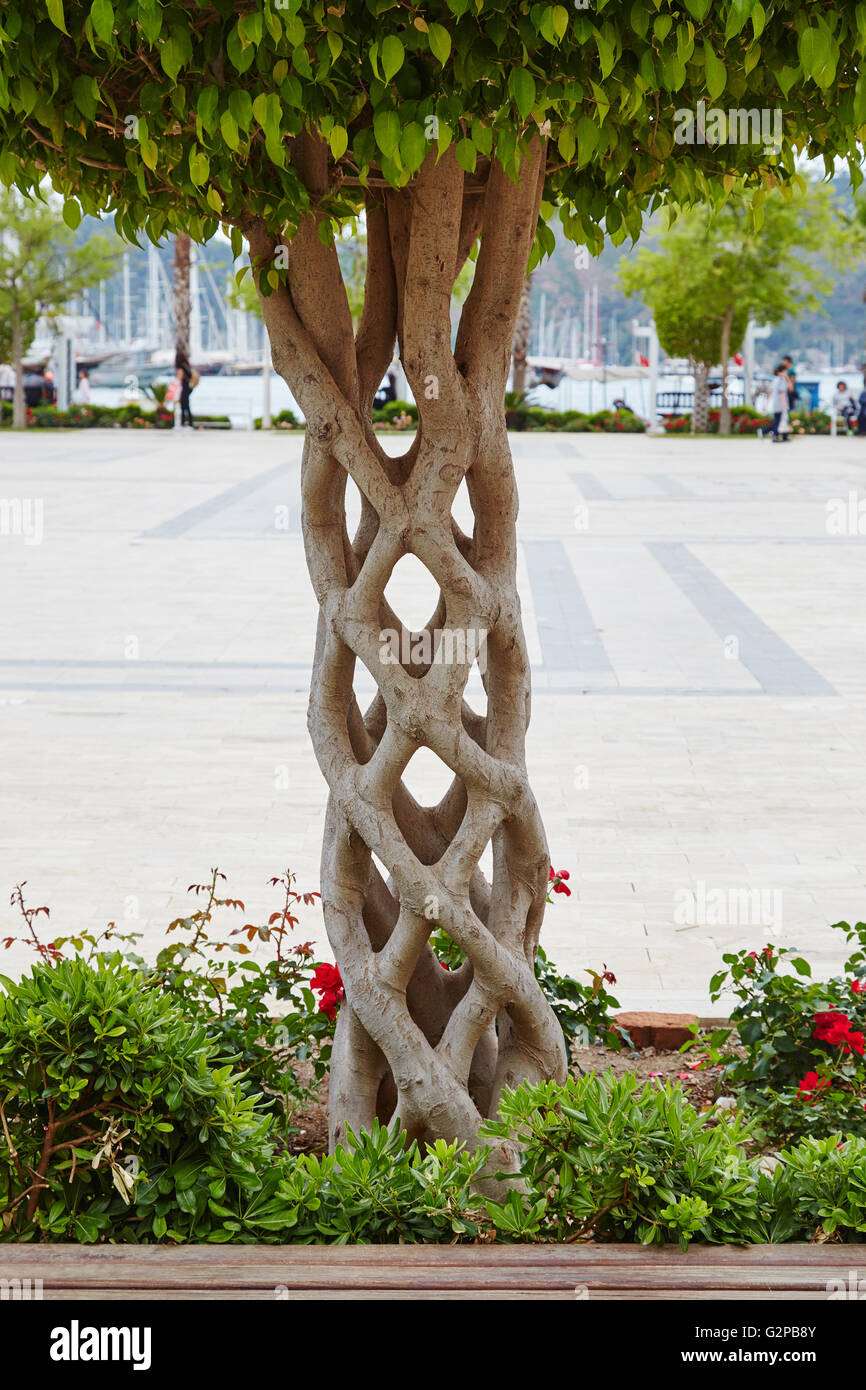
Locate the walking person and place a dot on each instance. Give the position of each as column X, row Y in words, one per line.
column 779, row 404
column 791, row 376
column 188, row 378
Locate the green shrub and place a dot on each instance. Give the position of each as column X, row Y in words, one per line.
column 818, row 1191
column 375, row 1191
column 285, row 420
column 118, row 1118
column 386, row 414
column 804, row 1069
column 610, row 1159
column 233, row 997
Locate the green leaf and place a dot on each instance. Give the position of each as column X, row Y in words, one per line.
column 698, row 9
column 250, row 28
column 84, row 91
column 55, row 14
column 241, row 107
column 440, row 42
column 393, row 55
column 229, row 130
column 566, row 144
column 102, row 19
column 206, row 108
column 521, row 85
column 386, row 128
column 175, row 51
column 199, row 167
column 413, row 146
column 605, row 53
column 149, row 153
column 716, row 72
column 466, row 155
column 71, row 213
column 338, row 141
column 588, row 135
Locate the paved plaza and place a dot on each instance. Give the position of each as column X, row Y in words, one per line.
column 696, row 618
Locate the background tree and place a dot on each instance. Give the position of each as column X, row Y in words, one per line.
column 462, row 120
column 714, row 269
column 41, row 270
column 520, row 343
column 182, row 255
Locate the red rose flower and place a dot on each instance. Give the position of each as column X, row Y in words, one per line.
column 328, row 984
column 834, row 1027
column 811, row 1084
column 857, row 987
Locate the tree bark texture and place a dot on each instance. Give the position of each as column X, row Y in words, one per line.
column 181, row 294
column 520, row 346
column 430, row 1047
column 701, row 404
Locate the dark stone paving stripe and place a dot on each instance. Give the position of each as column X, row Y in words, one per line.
column 566, row 627
column 591, row 487
column 193, row 516
column 775, row 665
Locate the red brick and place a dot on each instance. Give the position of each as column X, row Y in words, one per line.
column 668, row 1031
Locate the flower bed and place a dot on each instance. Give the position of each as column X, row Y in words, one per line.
column 160, row 1103
column 83, row 417
column 744, row 420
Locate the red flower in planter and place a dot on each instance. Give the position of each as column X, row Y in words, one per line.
column 811, row 1085
column 328, row 984
column 556, row 877
column 858, row 987
column 834, row 1027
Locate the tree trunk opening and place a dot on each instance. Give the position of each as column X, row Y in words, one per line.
column 430, row 1047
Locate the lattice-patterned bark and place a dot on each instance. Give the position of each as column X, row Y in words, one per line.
column 431, row 1047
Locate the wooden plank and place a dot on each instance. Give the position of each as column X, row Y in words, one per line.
column 370, row 1278
column 191, row 1257
column 438, row 1296
column 618, row 1272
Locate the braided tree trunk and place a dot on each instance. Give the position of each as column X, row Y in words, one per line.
column 430, row 1047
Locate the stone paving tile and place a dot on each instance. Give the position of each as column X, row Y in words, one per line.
column 155, row 661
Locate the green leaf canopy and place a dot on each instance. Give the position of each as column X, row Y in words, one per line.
column 181, row 115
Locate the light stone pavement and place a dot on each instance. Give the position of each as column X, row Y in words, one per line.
column 697, row 629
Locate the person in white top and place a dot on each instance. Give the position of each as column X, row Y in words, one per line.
column 779, row 405
column 84, row 389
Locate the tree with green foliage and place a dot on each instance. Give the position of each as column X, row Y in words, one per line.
column 715, row 269
column 447, row 124
column 41, row 270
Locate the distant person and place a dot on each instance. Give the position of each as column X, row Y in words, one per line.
column 844, row 404
column 84, row 389
column 779, row 404
column 861, row 416
column 788, row 364
column 48, row 389
column 184, row 373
